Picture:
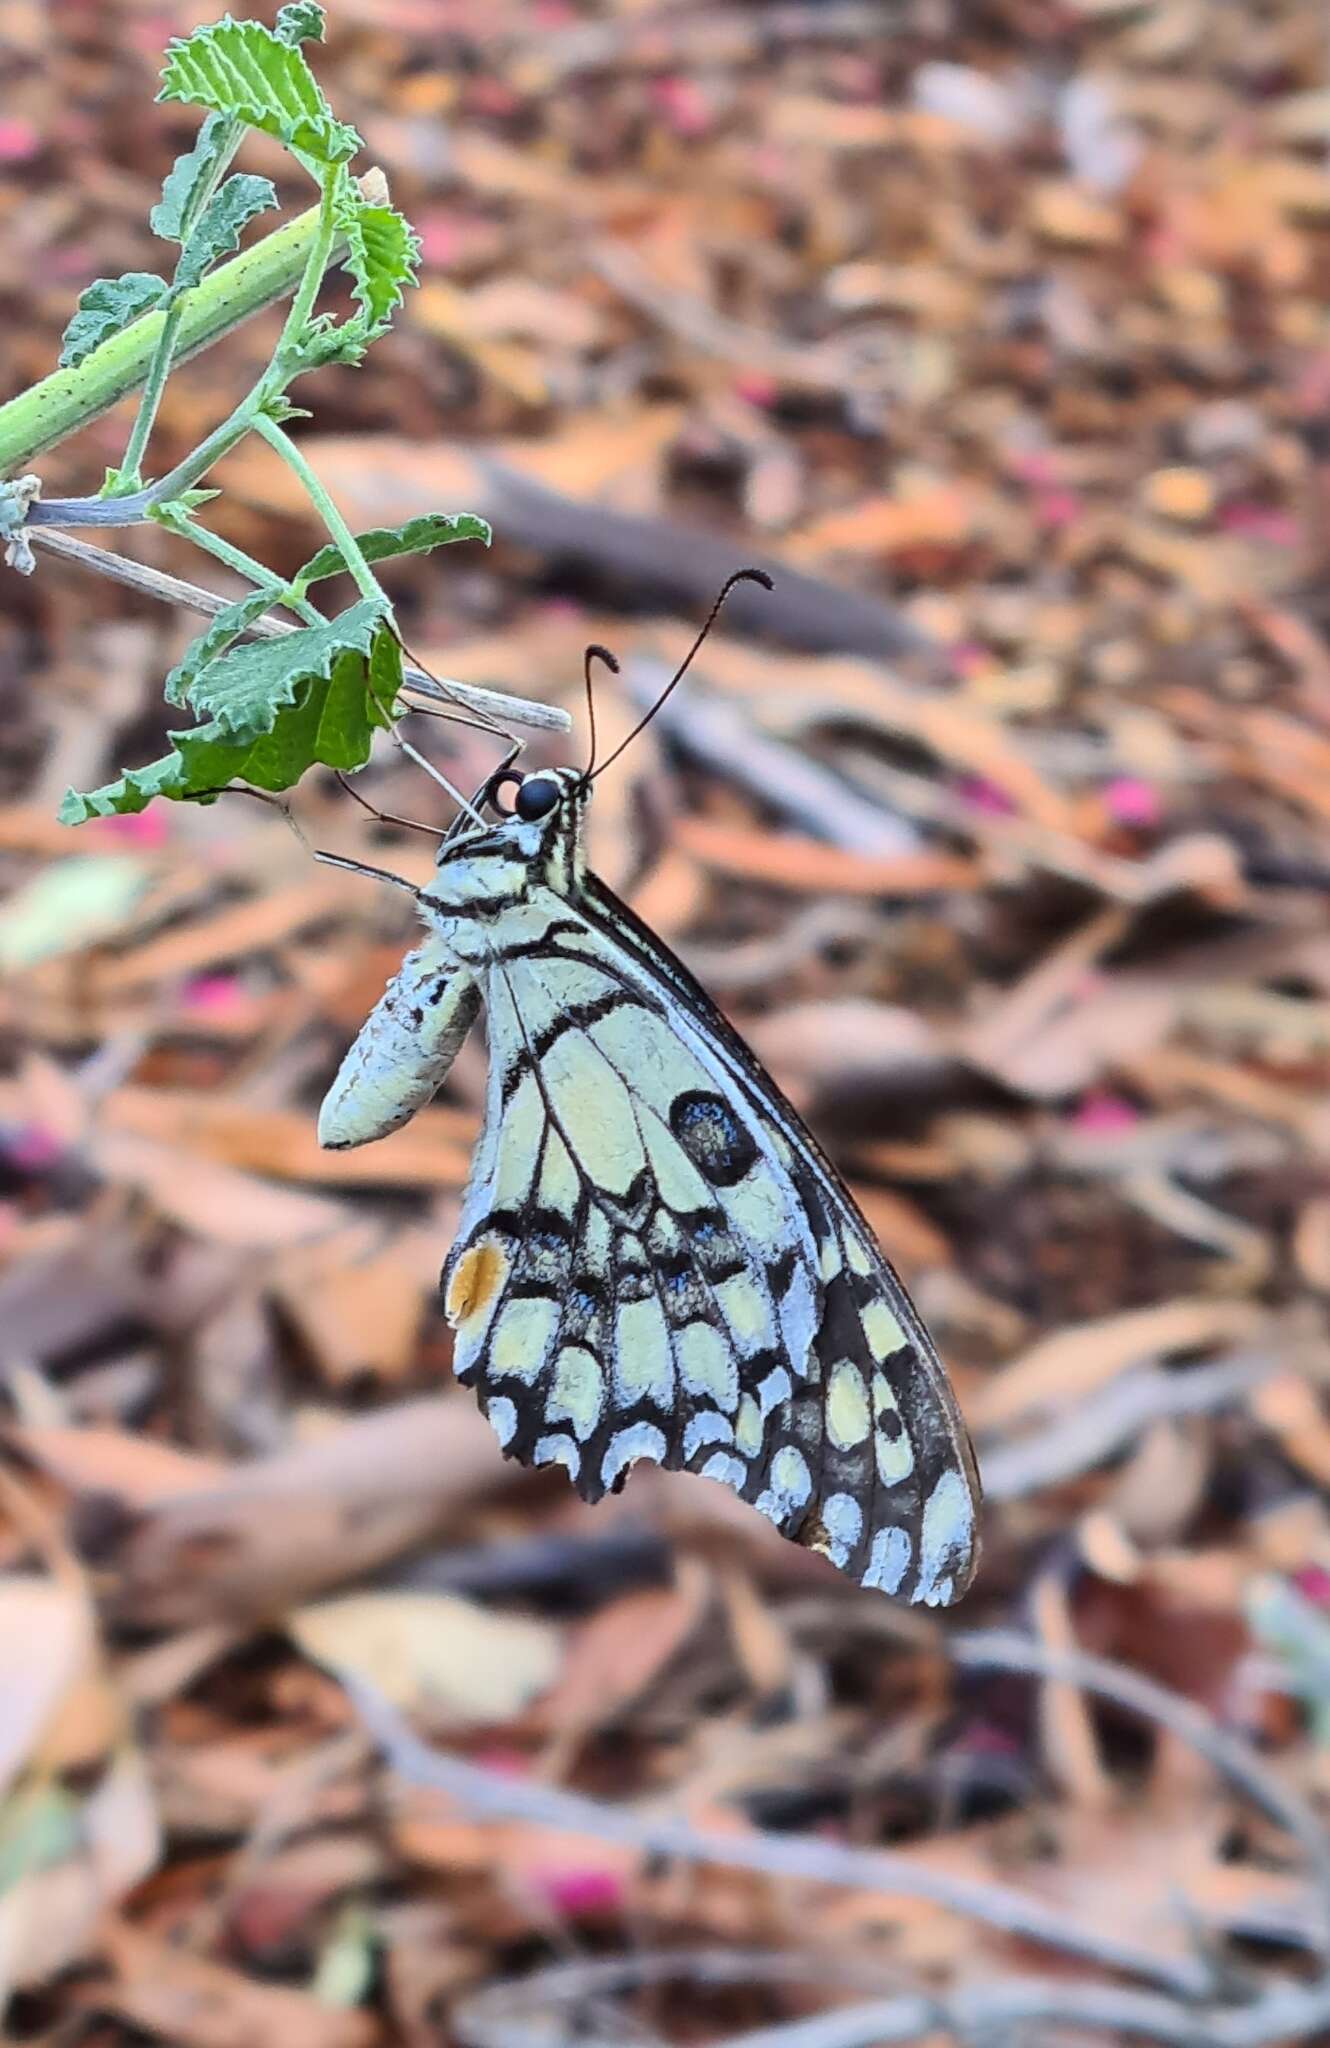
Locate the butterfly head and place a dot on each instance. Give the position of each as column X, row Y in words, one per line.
column 536, row 836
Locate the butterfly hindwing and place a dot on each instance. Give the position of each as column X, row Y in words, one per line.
column 667, row 1275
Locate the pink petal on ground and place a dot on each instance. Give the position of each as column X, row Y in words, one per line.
column 141, row 828
column 18, row 140
column 683, row 105
column 1261, row 522
column 34, row 1148
column 1056, row 508
column 982, row 795
column 757, row 390
column 1101, row 1112
column 210, row 993
column 506, row 1763
column 577, row 1894
column 1131, row 801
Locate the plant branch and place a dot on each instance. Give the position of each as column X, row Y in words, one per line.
column 234, row 292
column 281, row 444
column 155, row 583
column 806, row 1858
column 558, row 2005
column 1232, row 1759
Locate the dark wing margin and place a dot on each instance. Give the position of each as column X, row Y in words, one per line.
column 906, row 1520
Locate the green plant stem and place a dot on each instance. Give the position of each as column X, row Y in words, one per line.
column 159, row 369
column 281, row 444
column 307, row 291
column 68, row 399
column 245, row 565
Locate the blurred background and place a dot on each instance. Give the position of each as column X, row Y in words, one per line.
column 1002, row 829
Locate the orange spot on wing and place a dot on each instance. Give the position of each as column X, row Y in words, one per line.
column 477, row 1279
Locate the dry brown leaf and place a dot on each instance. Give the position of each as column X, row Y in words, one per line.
column 275, row 1532
column 46, row 1651
column 135, row 1469
column 432, row 1653
column 51, row 1917
column 218, row 1203
column 433, row 1149
column 1069, row 1739
column 1062, row 1368
column 196, row 2003
column 228, row 934
column 612, row 1658
column 782, row 861
column 356, row 1301
column 839, row 1046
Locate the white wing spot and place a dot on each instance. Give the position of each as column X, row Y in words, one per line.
column 774, row 1389
column 829, row 1262
column 643, row 1366
column 558, row 1450
column 522, row 1337
column 502, row 1418
column 860, row 1260
column 731, row 1470
column 798, row 1320
column 847, row 1406
column 706, row 1365
column 578, row 1392
column 745, row 1308
column 947, row 1526
column 706, row 1428
column 748, row 1427
column 843, row 1521
column 889, row 1560
column 640, row 1440
column 883, row 1332
column 790, row 1478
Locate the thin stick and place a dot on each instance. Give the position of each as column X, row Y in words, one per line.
column 490, row 704
column 1006, row 1650
column 521, row 2014
column 808, row 1859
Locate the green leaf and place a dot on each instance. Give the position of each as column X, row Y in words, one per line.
column 243, row 690
column 214, row 641
column 108, row 304
column 324, row 340
column 242, row 69
column 414, row 537
column 299, row 22
column 382, row 254
column 218, row 231
column 330, row 717
column 188, row 179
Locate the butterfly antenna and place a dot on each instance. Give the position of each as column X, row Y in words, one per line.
column 739, row 576
column 594, row 653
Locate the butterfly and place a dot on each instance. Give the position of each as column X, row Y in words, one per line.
column 655, row 1259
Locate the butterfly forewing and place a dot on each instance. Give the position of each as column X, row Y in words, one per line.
column 654, row 1259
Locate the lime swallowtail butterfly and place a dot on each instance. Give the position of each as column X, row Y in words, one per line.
column 655, row 1259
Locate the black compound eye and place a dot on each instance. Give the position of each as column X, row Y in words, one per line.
column 537, row 797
